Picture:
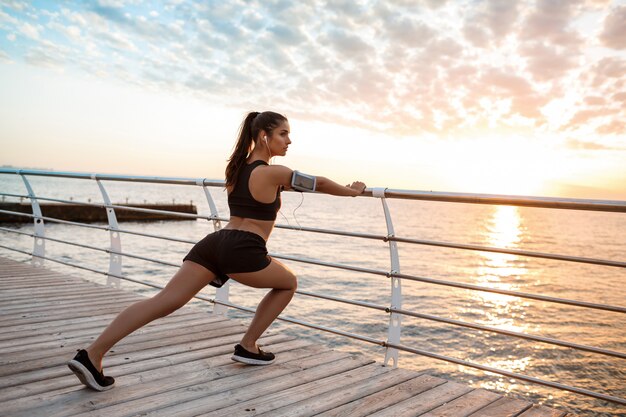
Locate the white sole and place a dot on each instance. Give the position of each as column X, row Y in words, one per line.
column 250, row 361
column 85, row 376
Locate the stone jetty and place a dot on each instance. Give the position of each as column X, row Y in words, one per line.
column 88, row 214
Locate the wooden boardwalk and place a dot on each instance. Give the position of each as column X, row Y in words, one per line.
column 180, row 365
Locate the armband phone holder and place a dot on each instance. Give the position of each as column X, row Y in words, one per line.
column 302, row 182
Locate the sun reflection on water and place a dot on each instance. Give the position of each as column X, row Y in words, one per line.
column 503, row 271
column 499, row 270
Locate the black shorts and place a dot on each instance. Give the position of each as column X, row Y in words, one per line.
column 229, row 251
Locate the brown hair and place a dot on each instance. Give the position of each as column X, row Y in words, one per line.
column 249, row 130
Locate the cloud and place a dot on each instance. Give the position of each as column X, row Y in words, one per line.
column 583, row 117
column 587, row 146
column 550, row 20
column 346, row 44
column 617, row 127
column 69, row 31
column 49, row 55
column 4, row 57
column 287, row 35
column 30, row 31
column 117, row 40
column 401, row 66
column 490, row 21
column 614, row 32
column 547, row 62
column 594, row 101
column 408, row 32
column 607, row 71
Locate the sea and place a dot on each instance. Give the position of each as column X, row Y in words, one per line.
column 578, row 233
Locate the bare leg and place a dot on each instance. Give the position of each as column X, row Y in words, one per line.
column 186, row 283
column 284, row 284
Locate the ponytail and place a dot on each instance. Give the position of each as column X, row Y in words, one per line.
column 249, row 130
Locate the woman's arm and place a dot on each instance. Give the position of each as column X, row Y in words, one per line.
column 325, row 185
column 281, row 176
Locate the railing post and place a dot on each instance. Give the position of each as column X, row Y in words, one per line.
column 39, row 243
column 395, row 320
column 115, row 261
column 221, row 294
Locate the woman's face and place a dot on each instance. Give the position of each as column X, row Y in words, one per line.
column 279, row 139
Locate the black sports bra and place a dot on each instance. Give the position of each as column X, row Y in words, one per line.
column 241, row 202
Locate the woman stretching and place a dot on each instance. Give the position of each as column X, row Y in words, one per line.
column 237, row 251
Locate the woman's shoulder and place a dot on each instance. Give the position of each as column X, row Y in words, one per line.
column 278, row 174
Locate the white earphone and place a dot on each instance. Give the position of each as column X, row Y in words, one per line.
column 265, row 137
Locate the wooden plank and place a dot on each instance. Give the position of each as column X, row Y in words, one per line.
column 235, row 390
column 92, row 320
column 32, row 279
column 49, row 285
column 35, row 306
column 57, row 375
column 32, row 350
column 136, row 341
column 110, row 305
column 62, row 299
column 44, row 334
column 342, row 394
column 465, row 404
column 136, row 386
column 42, row 305
column 42, row 317
column 387, row 397
column 61, row 295
column 425, row 401
column 33, row 275
column 504, row 407
column 542, row 411
column 277, row 398
column 75, row 288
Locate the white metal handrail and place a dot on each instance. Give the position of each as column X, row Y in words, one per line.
column 392, row 343
column 451, row 245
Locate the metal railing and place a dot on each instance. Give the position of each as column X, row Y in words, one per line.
column 392, row 344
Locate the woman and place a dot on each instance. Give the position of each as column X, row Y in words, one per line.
column 237, row 251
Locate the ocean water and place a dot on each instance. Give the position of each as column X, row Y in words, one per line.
column 576, row 233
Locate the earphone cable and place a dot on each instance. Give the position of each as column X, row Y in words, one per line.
column 294, row 212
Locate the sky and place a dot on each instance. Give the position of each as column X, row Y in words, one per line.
column 502, row 97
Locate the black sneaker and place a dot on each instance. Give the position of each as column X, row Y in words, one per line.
column 88, row 374
column 261, row 358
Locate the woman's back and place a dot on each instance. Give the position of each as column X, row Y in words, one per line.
column 254, row 200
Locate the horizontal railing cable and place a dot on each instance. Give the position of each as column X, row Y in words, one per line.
column 81, row 245
column 577, row 303
column 307, row 324
column 104, row 228
column 476, row 326
column 52, row 219
column 597, row 306
column 518, row 252
column 514, row 375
